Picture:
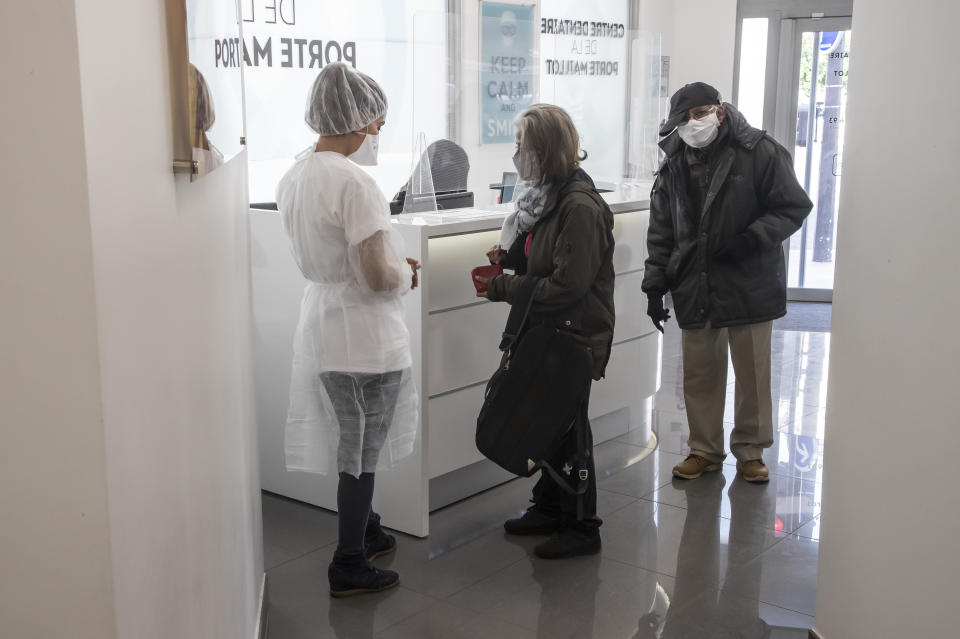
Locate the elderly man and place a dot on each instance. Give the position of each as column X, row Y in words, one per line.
column 725, row 199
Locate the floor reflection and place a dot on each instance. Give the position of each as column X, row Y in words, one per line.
column 715, row 558
column 734, row 611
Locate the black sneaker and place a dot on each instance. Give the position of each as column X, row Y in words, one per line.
column 533, row 522
column 376, row 541
column 353, row 575
column 569, row 543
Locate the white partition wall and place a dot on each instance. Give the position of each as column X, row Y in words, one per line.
column 889, row 555
column 130, row 501
column 454, row 337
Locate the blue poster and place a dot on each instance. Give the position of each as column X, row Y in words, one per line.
column 506, row 68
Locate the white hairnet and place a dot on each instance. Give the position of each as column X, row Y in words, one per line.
column 343, row 100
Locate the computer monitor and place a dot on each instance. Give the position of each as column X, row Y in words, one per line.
column 508, row 182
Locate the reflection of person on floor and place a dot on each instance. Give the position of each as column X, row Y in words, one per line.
column 349, row 622
column 725, row 200
column 207, row 156
column 697, row 609
column 567, row 593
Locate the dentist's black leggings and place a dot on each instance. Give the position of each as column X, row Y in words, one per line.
column 354, row 496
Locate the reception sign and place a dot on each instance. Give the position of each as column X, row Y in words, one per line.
column 584, row 46
column 506, row 67
column 285, row 45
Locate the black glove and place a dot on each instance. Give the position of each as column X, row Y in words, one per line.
column 656, row 311
column 737, row 248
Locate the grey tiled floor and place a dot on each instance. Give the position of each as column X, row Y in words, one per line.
column 715, row 557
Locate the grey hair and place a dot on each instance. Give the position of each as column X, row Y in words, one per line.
column 549, row 133
column 343, row 100
column 203, row 112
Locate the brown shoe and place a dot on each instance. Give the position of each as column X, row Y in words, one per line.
column 754, row 470
column 694, row 466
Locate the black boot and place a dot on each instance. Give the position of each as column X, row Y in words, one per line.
column 569, row 542
column 376, row 541
column 353, row 575
column 534, row 522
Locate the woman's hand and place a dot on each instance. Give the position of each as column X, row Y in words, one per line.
column 414, row 266
column 483, row 280
column 496, row 255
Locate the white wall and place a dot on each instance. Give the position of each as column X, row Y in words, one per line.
column 55, row 575
column 131, row 491
column 171, row 261
column 656, row 16
column 703, row 43
column 889, row 553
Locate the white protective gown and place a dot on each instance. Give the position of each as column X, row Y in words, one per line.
column 351, row 314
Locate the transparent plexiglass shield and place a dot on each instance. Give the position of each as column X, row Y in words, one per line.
column 420, row 195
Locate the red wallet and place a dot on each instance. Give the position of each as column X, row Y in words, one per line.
column 491, row 270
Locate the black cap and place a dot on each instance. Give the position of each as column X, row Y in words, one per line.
column 689, row 96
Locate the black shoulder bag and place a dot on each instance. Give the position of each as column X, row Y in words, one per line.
column 534, row 396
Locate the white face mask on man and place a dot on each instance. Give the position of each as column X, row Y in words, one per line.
column 700, row 133
column 366, row 155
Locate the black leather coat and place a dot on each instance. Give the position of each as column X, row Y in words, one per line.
column 572, row 250
column 752, row 190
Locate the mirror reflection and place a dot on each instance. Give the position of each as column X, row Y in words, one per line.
column 214, row 83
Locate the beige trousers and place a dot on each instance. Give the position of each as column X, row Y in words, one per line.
column 705, row 389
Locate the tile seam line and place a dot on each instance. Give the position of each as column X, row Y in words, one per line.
column 653, row 572
column 298, row 557
column 433, row 601
column 616, row 510
column 483, row 614
column 445, row 598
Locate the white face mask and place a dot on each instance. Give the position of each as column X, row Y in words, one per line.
column 700, row 133
column 366, row 155
column 527, row 166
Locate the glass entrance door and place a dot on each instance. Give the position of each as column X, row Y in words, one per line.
column 821, row 68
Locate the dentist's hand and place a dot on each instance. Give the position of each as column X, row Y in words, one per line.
column 414, row 266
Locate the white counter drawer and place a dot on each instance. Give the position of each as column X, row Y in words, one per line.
column 453, row 426
column 460, row 346
column 631, row 305
column 630, row 234
column 632, row 376
column 449, row 262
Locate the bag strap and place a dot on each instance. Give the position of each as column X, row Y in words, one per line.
column 519, row 310
column 582, row 473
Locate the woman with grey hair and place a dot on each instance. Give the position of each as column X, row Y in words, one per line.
column 353, row 405
column 561, row 232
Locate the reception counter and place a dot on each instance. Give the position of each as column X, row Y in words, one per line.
column 454, row 337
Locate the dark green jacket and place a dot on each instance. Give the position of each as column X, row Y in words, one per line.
column 752, row 190
column 572, row 250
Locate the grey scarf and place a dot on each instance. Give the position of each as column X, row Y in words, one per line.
column 529, row 205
